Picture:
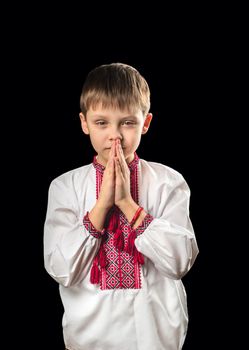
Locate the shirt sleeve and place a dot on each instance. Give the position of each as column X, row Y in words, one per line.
column 169, row 240
column 69, row 247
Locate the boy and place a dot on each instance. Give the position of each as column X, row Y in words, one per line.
column 117, row 236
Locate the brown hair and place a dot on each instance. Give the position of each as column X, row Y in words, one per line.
column 115, row 85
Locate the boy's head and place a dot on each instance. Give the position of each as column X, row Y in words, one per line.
column 115, row 102
column 115, row 85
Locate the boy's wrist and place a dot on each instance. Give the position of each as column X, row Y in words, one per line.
column 102, row 206
column 128, row 207
column 98, row 214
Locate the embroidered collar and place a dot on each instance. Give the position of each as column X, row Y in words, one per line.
column 99, row 167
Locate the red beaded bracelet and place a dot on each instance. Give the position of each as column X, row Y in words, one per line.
column 134, row 219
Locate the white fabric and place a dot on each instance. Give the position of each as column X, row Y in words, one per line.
column 151, row 318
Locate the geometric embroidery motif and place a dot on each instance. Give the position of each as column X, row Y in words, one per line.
column 121, row 269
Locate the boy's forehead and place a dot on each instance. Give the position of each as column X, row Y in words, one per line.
column 113, row 112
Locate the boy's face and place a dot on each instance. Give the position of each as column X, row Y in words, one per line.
column 106, row 125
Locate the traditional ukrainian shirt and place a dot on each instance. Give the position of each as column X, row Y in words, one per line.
column 121, row 288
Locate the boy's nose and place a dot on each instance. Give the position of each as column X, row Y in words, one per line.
column 114, row 135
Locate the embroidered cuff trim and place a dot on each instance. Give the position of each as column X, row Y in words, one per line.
column 90, row 228
column 144, row 224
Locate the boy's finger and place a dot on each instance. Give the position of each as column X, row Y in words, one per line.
column 117, row 167
column 110, row 168
column 113, row 150
column 110, row 163
column 120, row 155
column 111, row 156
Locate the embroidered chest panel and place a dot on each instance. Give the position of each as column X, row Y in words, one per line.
column 121, row 270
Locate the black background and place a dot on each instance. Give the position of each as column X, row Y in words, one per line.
column 185, row 69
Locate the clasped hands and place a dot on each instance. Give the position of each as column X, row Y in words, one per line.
column 115, row 188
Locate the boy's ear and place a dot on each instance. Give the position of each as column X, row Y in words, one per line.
column 83, row 122
column 147, row 121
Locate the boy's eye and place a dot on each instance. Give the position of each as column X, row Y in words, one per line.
column 100, row 122
column 124, row 123
column 128, row 122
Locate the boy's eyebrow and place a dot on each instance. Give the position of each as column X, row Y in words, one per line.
column 106, row 117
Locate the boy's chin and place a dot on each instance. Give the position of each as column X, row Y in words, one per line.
column 102, row 159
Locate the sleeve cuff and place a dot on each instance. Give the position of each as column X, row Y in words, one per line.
column 144, row 224
column 90, row 228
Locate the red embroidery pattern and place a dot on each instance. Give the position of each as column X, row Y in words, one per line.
column 144, row 224
column 121, row 269
column 89, row 226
